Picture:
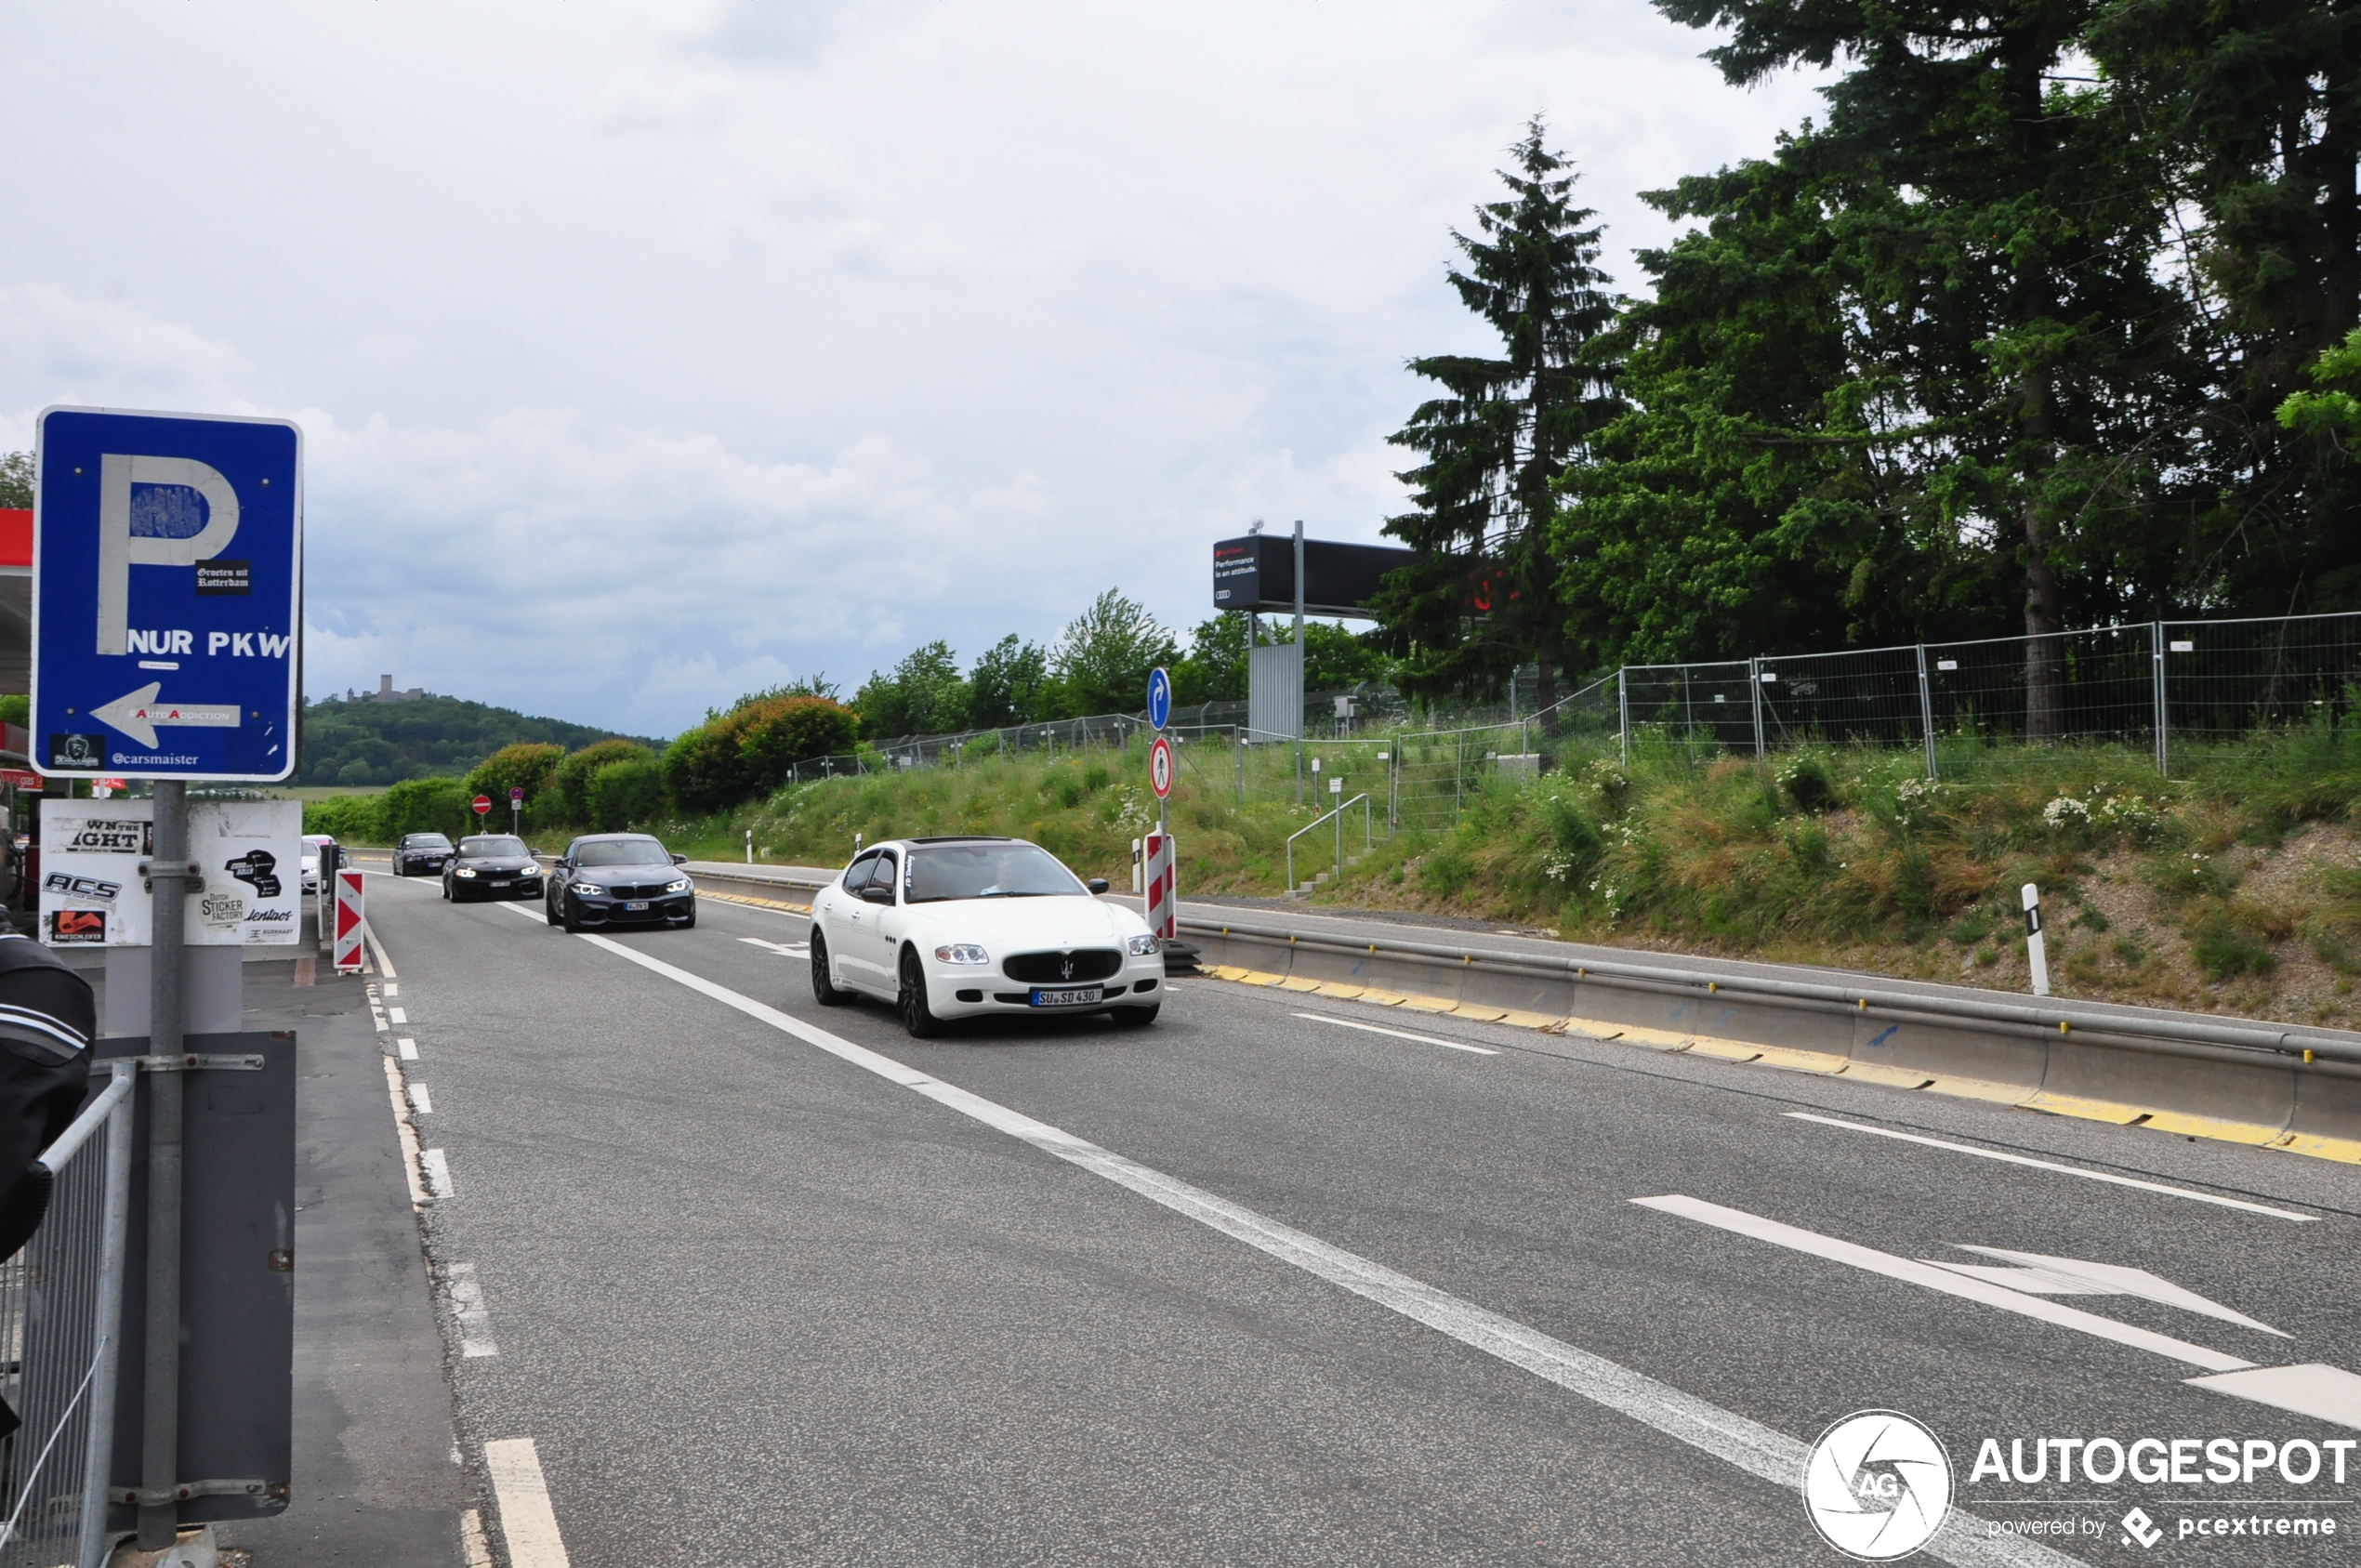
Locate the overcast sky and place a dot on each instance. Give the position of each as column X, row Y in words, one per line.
column 646, row 355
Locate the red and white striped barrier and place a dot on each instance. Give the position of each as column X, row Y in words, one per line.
column 349, row 924
column 1164, row 893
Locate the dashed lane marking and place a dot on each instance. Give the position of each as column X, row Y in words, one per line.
column 409, row 1050
column 397, row 1015
column 528, row 1525
column 411, row 1169
column 2108, row 1177
column 468, row 1311
column 438, row 1172
column 1759, row 1450
column 1397, row 1033
column 420, row 1100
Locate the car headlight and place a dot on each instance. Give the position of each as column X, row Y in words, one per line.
column 679, row 886
column 463, row 871
column 962, row 952
column 1143, row 945
column 588, row 889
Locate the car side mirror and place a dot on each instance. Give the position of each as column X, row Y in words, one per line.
column 877, row 895
column 1097, row 885
column 679, row 860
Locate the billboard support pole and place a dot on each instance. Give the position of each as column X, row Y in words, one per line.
column 1297, row 725
column 159, row 1442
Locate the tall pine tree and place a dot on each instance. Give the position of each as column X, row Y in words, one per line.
column 1484, row 597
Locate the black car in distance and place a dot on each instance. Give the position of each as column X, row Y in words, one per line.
column 491, row 866
column 620, row 879
column 421, row 851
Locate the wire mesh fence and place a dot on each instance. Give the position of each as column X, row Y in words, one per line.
column 61, row 1305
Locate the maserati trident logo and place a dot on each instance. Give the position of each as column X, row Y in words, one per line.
column 1877, row 1485
column 1066, row 967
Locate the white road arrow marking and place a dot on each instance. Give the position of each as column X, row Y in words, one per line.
column 137, row 713
column 783, row 949
column 2039, row 1275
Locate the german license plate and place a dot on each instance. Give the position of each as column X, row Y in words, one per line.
column 508, row 884
column 637, row 903
column 1080, row 996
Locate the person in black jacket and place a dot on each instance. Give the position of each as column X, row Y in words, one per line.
column 46, row 1020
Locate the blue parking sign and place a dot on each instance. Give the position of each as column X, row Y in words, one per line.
column 1159, row 698
column 168, row 595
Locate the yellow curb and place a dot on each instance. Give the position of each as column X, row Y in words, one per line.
column 1979, row 1088
column 1481, row 1015
column 1297, row 982
column 2343, row 1149
column 1528, row 1020
column 760, row 903
column 1334, row 988
column 1381, row 998
column 1256, row 977
column 1429, row 1004
column 1802, row 1061
column 1892, row 1077
column 1228, row 971
column 2213, row 1127
column 1726, row 1051
column 2089, row 1110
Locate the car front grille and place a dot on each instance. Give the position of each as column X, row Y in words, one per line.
column 627, row 890
column 1062, row 968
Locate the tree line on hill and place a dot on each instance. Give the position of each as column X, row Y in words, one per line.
column 2049, row 322
column 369, row 741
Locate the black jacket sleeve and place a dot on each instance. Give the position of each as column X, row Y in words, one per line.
column 47, row 1016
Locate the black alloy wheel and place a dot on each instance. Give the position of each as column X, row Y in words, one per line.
column 917, row 1017
column 572, row 920
column 825, row 991
column 549, row 910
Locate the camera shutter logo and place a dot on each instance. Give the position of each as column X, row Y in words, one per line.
column 1877, row 1485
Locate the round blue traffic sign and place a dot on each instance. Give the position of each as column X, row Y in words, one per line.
column 1159, row 698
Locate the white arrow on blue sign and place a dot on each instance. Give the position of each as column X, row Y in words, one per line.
column 168, row 595
column 1159, row 698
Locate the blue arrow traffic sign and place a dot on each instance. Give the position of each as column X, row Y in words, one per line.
column 1159, row 698
column 168, row 595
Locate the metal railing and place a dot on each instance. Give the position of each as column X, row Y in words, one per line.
column 1368, row 835
column 61, row 1342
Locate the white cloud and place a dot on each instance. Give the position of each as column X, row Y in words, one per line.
column 647, row 354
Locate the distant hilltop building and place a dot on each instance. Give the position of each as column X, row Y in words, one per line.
column 386, row 693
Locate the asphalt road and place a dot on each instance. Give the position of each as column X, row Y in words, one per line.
column 1257, row 1286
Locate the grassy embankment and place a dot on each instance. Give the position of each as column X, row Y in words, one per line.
column 2238, row 889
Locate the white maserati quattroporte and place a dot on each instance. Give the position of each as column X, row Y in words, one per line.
column 960, row 928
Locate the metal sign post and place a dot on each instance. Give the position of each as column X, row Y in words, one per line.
column 167, row 587
column 516, row 810
column 1157, row 861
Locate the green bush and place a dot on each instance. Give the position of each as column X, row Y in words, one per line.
column 571, row 777
column 2223, row 951
column 428, row 805
column 526, row 765
column 1807, row 785
column 627, row 795
column 753, row 750
column 348, row 819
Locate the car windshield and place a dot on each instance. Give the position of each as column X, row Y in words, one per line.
column 491, row 844
column 426, row 841
column 987, row 871
column 621, row 851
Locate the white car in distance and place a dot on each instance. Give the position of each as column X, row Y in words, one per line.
column 971, row 927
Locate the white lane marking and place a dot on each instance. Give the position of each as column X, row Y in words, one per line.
column 2038, row 1274
column 438, row 1172
column 467, row 1308
column 409, row 1050
column 391, row 989
column 2327, row 1393
column 1397, row 1033
column 397, row 1015
column 420, row 1100
column 527, row 1523
column 1757, row 1449
column 471, row 1542
column 783, row 949
column 1911, row 1271
column 2107, row 1176
column 410, row 1168
column 385, row 964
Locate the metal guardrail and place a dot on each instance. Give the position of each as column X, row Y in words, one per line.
column 2044, row 1017
column 61, row 1342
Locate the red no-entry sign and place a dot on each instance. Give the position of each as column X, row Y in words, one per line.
column 483, row 804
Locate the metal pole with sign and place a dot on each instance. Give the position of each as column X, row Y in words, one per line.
column 1157, row 867
column 516, row 810
column 167, row 586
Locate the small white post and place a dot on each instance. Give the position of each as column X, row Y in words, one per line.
column 2036, row 952
column 749, row 846
column 1139, row 883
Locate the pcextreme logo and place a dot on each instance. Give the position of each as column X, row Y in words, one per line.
column 1877, row 1485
